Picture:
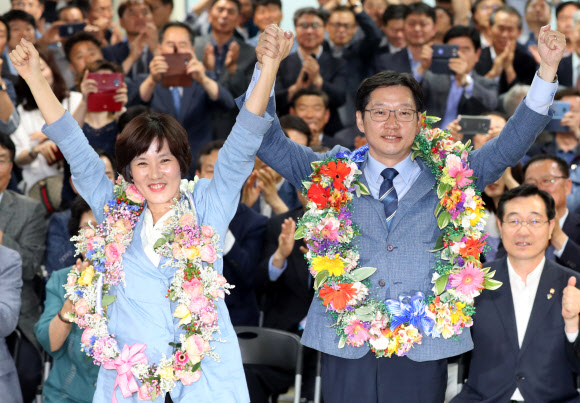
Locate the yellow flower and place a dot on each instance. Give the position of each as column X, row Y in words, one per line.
column 334, row 265
column 182, row 313
column 168, row 373
column 87, row 276
column 191, row 253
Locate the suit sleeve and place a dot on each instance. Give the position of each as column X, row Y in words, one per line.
column 273, row 228
column 30, row 243
column 366, row 47
column 335, row 88
column 10, row 290
column 484, row 95
column 571, row 255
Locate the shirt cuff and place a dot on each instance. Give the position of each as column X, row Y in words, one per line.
column 559, row 252
column 229, row 242
column 572, row 336
column 254, row 81
column 274, row 272
column 541, row 95
column 468, row 91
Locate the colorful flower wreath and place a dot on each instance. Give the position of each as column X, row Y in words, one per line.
column 194, row 287
column 394, row 326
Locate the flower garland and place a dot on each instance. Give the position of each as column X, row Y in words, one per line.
column 194, row 288
column 395, row 326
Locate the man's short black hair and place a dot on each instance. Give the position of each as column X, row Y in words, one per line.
column 421, row 9
column 342, row 9
column 6, row 142
column 508, row 10
column 388, row 78
column 310, row 11
column 311, row 90
column 446, row 11
column 394, row 12
column 236, row 2
column 3, row 21
column 526, row 191
column 207, row 150
column 264, row 3
column 477, row 3
column 562, row 164
column 71, row 5
column 177, row 24
column 20, row 15
column 125, row 4
column 292, row 122
column 78, row 38
column 563, row 4
column 464, row 31
column 78, row 207
column 567, row 92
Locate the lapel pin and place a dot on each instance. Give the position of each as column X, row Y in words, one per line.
column 551, row 294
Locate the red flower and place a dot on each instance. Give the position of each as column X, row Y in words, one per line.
column 318, row 195
column 472, row 248
column 339, row 297
column 338, row 171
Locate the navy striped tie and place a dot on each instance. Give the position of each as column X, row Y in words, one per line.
column 388, row 194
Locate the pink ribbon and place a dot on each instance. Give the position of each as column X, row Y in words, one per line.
column 130, row 356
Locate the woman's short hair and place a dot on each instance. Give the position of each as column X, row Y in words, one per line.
column 144, row 130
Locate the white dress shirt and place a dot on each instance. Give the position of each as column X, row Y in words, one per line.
column 151, row 233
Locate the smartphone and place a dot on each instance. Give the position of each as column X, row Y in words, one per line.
column 474, row 124
column 64, row 31
column 441, row 56
column 107, row 86
column 176, row 75
column 560, row 108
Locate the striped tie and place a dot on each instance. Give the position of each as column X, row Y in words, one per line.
column 388, row 194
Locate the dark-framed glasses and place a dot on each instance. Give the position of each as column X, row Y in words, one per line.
column 382, row 115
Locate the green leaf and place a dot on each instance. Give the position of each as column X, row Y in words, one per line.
column 438, row 209
column 415, row 154
column 357, row 190
column 491, row 284
column 441, row 283
column 300, row 232
column 438, row 244
column 363, row 189
column 314, row 164
column 443, row 219
column 320, row 279
column 362, row 273
column 108, row 299
column 160, row 242
column 153, row 395
column 196, row 367
column 365, row 313
column 342, row 342
column 443, row 188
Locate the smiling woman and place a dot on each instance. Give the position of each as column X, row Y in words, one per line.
column 179, row 228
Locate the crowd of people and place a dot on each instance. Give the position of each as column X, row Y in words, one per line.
column 55, row 179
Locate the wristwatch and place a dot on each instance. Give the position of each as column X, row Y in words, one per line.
column 468, row 81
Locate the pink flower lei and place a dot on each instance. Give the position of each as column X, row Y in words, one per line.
column 192, row 249
column 395, row 326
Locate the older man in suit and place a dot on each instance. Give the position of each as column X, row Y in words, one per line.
column 23, row 229
column 464, row 92
column 190, row 105
column 10, row 288
column 399, row 248
column 524, row 332
column 312, row 65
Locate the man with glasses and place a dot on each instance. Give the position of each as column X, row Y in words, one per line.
column 312, row 65
column 524, row 332
column 396, row 236
column 552, row 174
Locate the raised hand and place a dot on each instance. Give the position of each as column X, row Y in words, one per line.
column 88, row 85
column 571, row 305
column 274, row 44
column 209, row 57
column 551, row 47
column 426, row 58
column 251, row 192
column 231, row 62
column 460, row 67
column 121, row 95
column 26, row 60
column 196, row 69
column 157, row 67
column 285, row 242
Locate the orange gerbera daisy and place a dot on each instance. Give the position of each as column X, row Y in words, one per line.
column 338, row 171
column 319, row 195
column 472, row 248
column 339, row 297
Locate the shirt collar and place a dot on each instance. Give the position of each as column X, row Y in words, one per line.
column 404, row 168
column 215, row 45
column 533, row 278
column 318, row 53
column 1, row 196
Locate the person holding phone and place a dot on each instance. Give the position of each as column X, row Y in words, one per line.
column 153, row 156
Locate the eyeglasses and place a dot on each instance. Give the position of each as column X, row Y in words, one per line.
column 338, row 25
column 532, row 223
column 382, row 115
column 306, row 25
column 547, row 181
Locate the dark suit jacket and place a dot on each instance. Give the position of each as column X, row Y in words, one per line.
column 24, row 227
column 334, row 76
column 571, row 255
column 543, row 368
column 392, row 61
column 524, row 65
column 194, row 112
column 286, row 300
column 118, row 52
column 549, row 147
column 436, row 91
column 241, row 263
column 565, row 76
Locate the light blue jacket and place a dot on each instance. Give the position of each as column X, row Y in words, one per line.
column 141, row 312
column 401, row 255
